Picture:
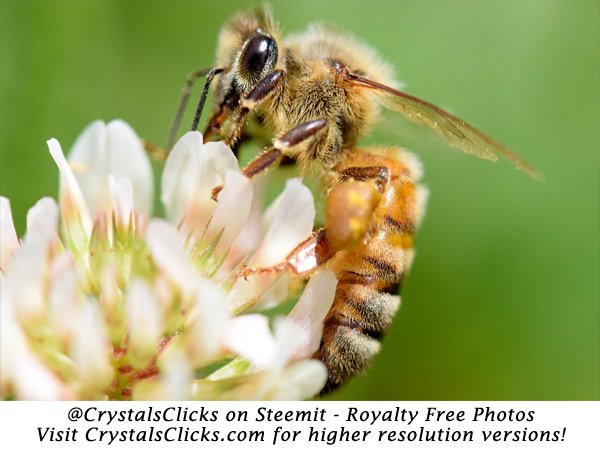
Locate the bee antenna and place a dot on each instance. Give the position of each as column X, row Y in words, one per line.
column 209, row 78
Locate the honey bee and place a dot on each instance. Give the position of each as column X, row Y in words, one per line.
column 316, row 94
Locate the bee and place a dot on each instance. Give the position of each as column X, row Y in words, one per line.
column 315, row 94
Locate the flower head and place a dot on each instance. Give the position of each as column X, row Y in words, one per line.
column 101, row 300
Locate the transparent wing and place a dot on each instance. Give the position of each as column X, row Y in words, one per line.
column 456, row 132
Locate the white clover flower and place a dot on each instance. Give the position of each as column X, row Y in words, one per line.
column 99, row 300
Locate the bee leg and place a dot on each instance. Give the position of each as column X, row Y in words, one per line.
column 295, row 136
column 379, row 174
column 272, row 157
column 265, row 87
column 305, row 258
column 213, row 127
column 310, row 254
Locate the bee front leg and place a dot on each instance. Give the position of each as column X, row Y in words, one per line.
column 288, row 141
column 272, row 157
column 263, row 89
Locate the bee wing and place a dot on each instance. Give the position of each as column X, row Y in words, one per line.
column 456, row 132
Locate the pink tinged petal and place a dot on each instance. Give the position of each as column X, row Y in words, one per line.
column 91, row 349
column 207, row 322
column 74, row 211
column 102, row 150
column 25, row 277
column 290, row 220
column 191, row 172
column 249, row 336
column 145, row 323
column 301, row 381
column 231, row 213
column 9, row 242
column 21, row 372
column 169, row 256
column 311, row 309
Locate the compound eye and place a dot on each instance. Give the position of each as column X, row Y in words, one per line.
column 259, row 53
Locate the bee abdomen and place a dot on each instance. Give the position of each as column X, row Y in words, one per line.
column 353, row 329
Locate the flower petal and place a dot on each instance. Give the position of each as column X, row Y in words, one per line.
column 249, row 336
column 75, row 216
column 277, row 292
column 248, row 239
column 9, row 242
column 231, row 213
column 114, row 149
column 301, row 381
column 42, row 221
column 122, row 199
column 88, row 160
column 20, row 369
column 167, row 253
column 145, row 323
column 191, row 172
column 290, row 220
column 91, row 349
column 25, row 277
column 311, row 309
column 289, row 339
column 207, row 322
column 65, row 298
column 176, row 376
column 128, row 159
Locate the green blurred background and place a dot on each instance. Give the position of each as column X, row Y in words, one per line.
column 503, row 298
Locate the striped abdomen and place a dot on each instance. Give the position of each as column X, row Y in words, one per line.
column 370, row 274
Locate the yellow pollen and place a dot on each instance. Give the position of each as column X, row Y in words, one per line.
column 357, row 227
column 356, row 199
